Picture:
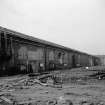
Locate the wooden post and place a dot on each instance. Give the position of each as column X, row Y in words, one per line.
column 45, row 59
column 0, row 40
column 5, row 38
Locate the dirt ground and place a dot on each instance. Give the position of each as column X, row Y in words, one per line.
column 78, row 88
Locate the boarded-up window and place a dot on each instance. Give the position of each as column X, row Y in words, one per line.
column 35, row 55
column 66, row 58
column 22, row 53
column 51, row 55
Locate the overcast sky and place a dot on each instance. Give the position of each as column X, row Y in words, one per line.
column 78, row 24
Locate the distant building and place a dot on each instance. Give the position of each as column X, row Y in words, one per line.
column 102, row 59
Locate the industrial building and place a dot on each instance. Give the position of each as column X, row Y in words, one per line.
column 21, row 53
column 102, row 59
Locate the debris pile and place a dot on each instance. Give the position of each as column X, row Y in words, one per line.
column 44, row 80
column 27, row 82
column 99, row 75
column 8, row 99
column 38, row 89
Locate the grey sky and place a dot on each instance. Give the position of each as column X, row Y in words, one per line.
column 78, row 24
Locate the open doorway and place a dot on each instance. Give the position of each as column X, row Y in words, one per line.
column 73, row 61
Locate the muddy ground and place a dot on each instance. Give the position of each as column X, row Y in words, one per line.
column 76, row 87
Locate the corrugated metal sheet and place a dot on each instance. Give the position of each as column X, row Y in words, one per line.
column 14, row 33
column 51, row 55
column 35, row 55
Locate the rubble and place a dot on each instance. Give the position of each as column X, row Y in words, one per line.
column 50, row 89
column 24, row 83
column 6, row 100
column 30, row 81
column 99, row 75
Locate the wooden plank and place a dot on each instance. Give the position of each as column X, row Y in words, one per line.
column 6, row 100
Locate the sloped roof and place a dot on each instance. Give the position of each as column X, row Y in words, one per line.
column 31, row 38
column 101, row 56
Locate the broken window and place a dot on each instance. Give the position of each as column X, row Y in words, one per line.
column 60, row 57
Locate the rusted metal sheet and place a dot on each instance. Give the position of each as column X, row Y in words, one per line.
column 65, row 58
column 70, row 59
column 25, row 52
column 35, row 55
column 50, row 58
column 22, row 53
column 51, row 55
column 84, row 60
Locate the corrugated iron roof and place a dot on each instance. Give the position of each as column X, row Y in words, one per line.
column 31, row 38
